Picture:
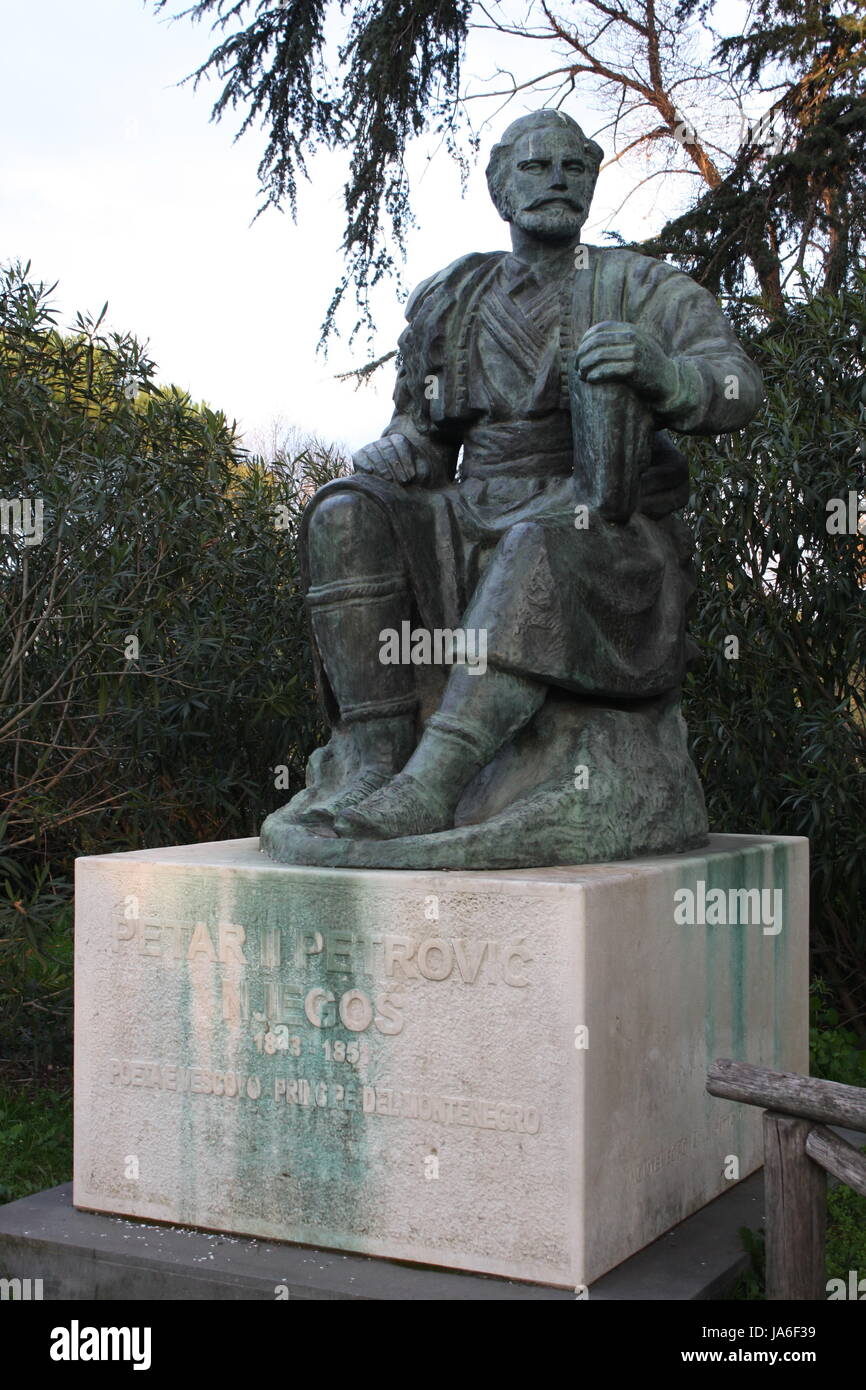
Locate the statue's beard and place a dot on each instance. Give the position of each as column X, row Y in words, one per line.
column 552, row 223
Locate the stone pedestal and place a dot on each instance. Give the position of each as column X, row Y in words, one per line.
column 496, row 1071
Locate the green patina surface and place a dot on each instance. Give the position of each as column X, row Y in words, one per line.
column 745, row 947
column 310, row 1161
column 781, row 857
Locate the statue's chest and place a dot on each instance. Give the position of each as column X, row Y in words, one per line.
column 518, row 346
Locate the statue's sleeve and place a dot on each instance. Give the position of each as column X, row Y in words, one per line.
column 719, row 388
column 421, row 379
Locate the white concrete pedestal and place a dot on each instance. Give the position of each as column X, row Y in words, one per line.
column 491, row 1071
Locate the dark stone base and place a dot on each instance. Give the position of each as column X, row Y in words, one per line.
column 82, row 1255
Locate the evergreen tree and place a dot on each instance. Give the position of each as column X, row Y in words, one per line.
column 778, row 209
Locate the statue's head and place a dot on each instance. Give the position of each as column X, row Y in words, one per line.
column 542, row 175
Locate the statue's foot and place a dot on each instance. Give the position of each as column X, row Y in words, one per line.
column 322, row 814
column 403, row 807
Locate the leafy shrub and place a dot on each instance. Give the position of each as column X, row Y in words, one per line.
column 835, row 1051
column 35, row 1139
column 846, row 1233
column 154, row 663
column 779, row 734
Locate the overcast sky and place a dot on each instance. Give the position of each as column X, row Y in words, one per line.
column 115, row 184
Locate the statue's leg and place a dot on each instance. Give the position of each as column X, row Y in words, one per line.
column 478, row 714
column 358, row 587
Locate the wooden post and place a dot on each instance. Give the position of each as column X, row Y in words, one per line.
column 796, row 1211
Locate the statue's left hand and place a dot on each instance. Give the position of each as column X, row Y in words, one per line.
column 611, row 351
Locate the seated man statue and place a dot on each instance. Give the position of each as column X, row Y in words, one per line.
column 522, row 502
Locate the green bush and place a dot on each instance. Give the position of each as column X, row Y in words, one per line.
column 778, row 734
column 154, row 663
column 834, row 1050
column 35, row 1139
column 846, row 1233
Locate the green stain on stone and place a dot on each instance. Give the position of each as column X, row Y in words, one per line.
column 709, row 984
column 781, row 864
column 725, row 1031
column 310, row 1153
column 194, row 900
column 731, row 942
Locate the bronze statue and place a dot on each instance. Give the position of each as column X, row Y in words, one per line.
column 521, row 510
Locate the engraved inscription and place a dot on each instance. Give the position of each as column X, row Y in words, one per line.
column 688, row 1144
column 398, row 957
column 310, row 1093
column 176, row 1077
column 309, row 1008
column 275, row 1007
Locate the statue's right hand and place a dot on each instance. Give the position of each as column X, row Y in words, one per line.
column 391, row 457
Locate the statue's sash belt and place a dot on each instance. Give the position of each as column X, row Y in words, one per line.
column 519, row 448
column 539, row 465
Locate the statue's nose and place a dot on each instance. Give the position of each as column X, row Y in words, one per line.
column 557, row 177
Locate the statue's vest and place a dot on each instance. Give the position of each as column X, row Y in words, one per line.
column 443, row 309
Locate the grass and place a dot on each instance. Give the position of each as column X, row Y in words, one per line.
column 35, row 1130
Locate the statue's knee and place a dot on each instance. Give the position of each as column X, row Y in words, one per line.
column 343, row 529
column 338, row 510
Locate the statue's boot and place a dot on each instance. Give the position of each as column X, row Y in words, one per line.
column 358, row 587
column 347, row 618
column 479, row 713
column 382, row 747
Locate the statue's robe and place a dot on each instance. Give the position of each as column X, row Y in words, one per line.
column 489, row 541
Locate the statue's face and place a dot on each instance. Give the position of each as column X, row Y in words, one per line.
column 551, row 184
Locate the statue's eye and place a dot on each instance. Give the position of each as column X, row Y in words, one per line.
column 531, row 166
column 576, row 166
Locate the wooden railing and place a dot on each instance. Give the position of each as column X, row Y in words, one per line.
column 799, row 1152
